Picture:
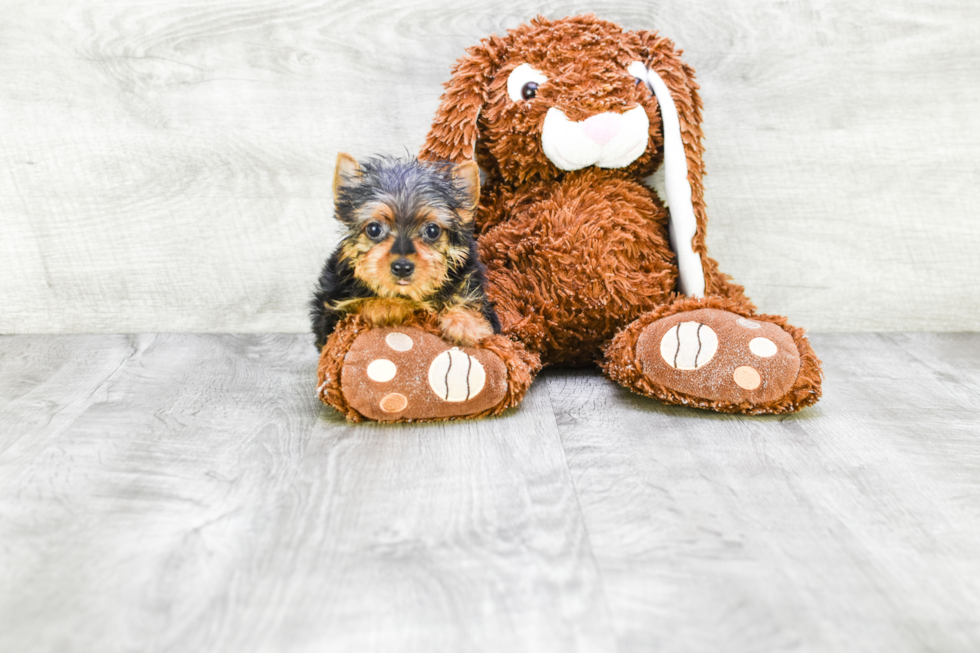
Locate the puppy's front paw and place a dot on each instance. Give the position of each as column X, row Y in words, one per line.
column 466, row 327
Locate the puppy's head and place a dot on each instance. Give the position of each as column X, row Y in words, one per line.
column 409, row 222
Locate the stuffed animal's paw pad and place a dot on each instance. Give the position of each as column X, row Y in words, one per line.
column 454, row 376
column 689, row 345
column 381, row 370
column 399, row 341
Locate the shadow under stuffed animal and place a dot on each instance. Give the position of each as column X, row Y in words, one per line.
column 585, row 264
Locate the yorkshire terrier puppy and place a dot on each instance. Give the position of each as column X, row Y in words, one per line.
column 409, row 245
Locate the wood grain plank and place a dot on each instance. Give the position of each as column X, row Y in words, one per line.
column 46, row 383
column 167, row 165
column 119, row 531
column 431, row 538
column 206, row 501
column 951, row 356
column 851, row 526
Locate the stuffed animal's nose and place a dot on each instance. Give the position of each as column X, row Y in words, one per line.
column 402, row 268
column 602, row 127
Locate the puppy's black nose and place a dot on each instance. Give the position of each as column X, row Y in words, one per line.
column 402, row 267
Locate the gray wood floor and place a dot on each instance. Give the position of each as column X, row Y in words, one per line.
column 188, row 493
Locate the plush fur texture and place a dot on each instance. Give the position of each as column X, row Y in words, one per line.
column 413, row 214
column 607, row 222
column 578, row 254
column 573, row 257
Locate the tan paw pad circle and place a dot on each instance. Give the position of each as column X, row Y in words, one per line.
column 381, row 370
column 689, row 345
column 393, row 403
column 763, row 347
column 747, row 378
column 454, row 375
column 747, row 323
column 399, row 341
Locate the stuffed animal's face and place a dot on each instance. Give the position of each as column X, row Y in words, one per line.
column 563, row 97
column 556, row 96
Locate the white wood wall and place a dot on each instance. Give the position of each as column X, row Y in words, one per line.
column 166, row 166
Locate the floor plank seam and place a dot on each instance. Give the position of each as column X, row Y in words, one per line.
column 585, row 527
column 890, row 337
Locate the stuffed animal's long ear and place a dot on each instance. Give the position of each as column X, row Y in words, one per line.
column 454, row 130
column 672, row 81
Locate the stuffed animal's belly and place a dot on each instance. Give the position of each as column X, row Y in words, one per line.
column 580, row 260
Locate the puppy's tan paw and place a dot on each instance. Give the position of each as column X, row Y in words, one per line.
column 464, row 326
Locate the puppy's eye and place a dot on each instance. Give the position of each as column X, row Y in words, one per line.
column 374, row 230
column 523, row 83
column 431, row 231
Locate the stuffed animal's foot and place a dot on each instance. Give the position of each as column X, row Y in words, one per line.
column 711, row 353
column 409, row 373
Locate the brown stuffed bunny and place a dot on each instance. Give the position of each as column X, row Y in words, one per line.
column 584, row 262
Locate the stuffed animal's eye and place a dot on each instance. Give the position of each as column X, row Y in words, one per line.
column 523, row 83
column 432, row 231
column 374, row 230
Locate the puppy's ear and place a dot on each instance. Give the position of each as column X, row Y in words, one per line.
column 347, row 172
column 466, row 176
column 454, row 129
column 672, row 81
